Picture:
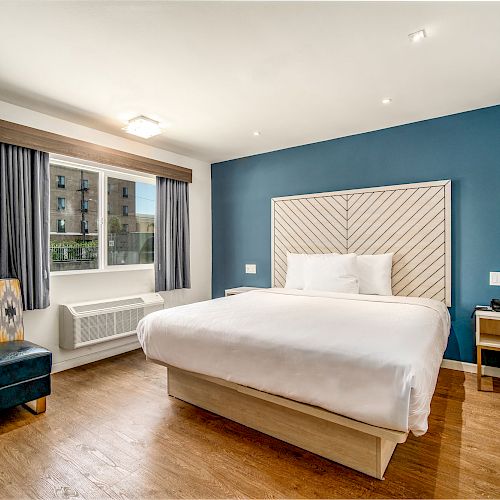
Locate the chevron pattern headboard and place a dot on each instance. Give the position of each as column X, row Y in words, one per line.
column 411, row 220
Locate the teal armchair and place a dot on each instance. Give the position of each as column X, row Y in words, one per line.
column 24, row 367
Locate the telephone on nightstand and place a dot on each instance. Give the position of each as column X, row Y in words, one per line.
column 495, row 305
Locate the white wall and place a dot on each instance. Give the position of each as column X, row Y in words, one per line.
column 42, row 326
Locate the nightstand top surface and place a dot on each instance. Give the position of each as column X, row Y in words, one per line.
column 488, row 314
column 244, row 289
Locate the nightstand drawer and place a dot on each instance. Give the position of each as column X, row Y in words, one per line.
column 489, row 326
column 487, row 336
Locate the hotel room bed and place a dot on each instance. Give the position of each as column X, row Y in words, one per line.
column 344, row 375
column 372, row 359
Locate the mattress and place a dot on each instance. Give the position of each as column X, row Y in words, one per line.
column 370, row 358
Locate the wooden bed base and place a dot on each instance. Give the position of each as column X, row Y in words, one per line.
column 362, row 447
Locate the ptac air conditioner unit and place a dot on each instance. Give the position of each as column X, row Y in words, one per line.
column 88, row 323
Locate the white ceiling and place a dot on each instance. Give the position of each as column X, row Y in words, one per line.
column 299, row 72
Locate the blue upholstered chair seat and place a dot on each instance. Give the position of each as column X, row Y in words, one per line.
column 24, row 372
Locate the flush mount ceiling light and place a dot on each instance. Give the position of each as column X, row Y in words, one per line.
column 417, row 36
column 142, row 126
column 256, row 133
column 386, row 101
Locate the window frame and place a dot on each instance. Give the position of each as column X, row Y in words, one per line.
column 103, row 171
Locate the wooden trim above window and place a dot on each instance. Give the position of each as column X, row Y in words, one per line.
column 21, row 135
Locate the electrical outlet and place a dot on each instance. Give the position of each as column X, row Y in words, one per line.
column 252, row 269
column 495, row 278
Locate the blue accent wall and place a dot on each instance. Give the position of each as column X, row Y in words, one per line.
column 464, row 148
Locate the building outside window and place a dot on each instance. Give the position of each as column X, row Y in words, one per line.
column 76, row 242
column 130, row 228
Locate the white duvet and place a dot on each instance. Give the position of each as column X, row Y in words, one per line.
column 373, row 359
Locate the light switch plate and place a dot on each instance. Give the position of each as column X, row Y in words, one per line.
column 252, row 269
column 495, row 278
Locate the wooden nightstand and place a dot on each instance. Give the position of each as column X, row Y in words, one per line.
column 241, row 289
column 487, row 336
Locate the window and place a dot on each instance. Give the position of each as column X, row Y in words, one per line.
column 126, row 232
column 74, row 240
column 130, row 239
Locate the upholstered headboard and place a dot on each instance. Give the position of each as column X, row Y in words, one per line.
column 411, row 220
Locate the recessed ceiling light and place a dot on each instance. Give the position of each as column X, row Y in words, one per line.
column 417, row 36
column 256, row 133
column 386, row 101
column 142, row 126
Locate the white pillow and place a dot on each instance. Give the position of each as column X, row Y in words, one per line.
column 332, row 273
column 375, row 273
column 295, row 268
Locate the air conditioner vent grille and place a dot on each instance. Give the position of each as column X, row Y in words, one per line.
column 86, row 324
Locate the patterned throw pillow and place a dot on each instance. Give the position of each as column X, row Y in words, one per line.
column 11, row 311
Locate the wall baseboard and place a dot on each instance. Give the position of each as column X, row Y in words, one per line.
column 490, row 371
column 94, row 356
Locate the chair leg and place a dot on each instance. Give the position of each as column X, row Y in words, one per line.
column 40, row 405
column 37, row 406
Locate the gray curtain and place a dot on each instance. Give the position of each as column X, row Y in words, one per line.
column 172, row 235
column 24, row 222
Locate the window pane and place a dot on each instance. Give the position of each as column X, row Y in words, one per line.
column 73, row 233
column 130, row 226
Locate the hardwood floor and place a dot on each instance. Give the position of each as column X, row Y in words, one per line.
column 111, row 431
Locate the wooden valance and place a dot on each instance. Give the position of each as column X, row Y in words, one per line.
column 28, row 137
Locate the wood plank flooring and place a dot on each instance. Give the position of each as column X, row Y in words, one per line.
column 111, row 431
